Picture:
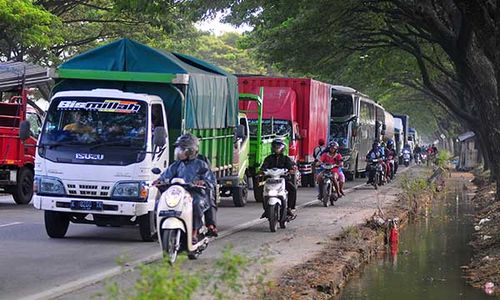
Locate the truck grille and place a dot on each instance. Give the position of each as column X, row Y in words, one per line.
column 88, row 190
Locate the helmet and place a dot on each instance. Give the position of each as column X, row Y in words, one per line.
column 186, row 147
column 375, row 145
column 333, row 145
column 321, row 142
column 390, row 144
column 278, row 146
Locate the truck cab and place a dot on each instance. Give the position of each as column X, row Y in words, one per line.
column 94, row 159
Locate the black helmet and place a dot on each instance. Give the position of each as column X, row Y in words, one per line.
column 186, row 147
column 375, row 144
column 278, row 146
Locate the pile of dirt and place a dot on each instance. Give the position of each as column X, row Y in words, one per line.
column 484, row 268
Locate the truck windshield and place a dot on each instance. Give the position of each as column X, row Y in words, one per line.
column 342, row 105
column 280, row 127
column 95, row 122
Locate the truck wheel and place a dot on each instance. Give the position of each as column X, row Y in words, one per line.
column 56, row 224
column 258, row 190
column 239, row 196
column 312, row 182
column 23, row 190
column 147, row 226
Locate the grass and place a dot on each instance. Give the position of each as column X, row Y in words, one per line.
column 161, row 280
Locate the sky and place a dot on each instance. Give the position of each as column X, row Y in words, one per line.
column 216, row 27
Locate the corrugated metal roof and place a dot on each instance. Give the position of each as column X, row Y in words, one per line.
column 12, row 74
column 465, row 136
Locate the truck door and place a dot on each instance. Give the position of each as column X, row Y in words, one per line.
column 158, row 119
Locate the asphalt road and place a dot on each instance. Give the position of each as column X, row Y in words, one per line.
column 33, row 265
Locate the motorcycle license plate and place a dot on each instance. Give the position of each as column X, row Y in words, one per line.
column 86, row 205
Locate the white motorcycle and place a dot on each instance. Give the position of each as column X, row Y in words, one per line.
column 276, row 197
column 174, row 221
column 406, row 157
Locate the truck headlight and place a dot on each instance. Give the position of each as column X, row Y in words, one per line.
column 174, row 195
column 130, row 189
column 45, row 185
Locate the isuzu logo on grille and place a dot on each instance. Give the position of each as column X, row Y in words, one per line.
column 89, row 156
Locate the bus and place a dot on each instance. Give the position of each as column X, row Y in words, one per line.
column 356, row 122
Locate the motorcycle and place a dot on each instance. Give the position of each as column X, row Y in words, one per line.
column 417, row 158
column 406, row 157
column 376, row 166
column 328, row 189
column 174, row 220
column 392, row 166
column 276, row 197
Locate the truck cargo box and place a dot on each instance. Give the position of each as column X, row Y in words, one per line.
column 199, row 97
column 312, row 112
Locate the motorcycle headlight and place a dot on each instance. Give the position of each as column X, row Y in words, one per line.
column 130, row 189
column 173, row 196
column 45, row 185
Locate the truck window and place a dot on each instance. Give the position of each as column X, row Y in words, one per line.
column 157, row 116
column 35, row 124
column 244, row 123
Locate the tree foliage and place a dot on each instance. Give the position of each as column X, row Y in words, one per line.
column 451, row 45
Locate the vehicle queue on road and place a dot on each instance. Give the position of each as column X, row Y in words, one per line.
column 117, row 110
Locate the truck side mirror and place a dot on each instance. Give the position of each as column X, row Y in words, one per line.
column 159, row 136
column 24, row 130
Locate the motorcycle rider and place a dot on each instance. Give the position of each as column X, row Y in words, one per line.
column 277, row 159
column 374, row 153
column 193, row 170
column 390, row 152
column 332, row 157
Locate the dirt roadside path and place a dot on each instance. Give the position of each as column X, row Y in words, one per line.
column 302, row 239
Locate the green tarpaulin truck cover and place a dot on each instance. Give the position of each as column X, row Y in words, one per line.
column 211, row 94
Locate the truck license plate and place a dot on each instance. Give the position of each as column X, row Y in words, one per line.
column 86, row 205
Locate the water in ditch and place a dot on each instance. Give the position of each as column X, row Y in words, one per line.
column 427, row 262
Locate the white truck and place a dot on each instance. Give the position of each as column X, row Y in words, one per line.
column 94, row 160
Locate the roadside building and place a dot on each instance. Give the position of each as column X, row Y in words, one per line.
column 469, row 156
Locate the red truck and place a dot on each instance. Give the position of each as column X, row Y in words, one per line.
column 298, row 107
column 17, row 156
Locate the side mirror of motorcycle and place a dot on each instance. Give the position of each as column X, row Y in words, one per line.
column 156, row 171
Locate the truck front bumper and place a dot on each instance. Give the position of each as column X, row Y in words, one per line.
column 109, row 207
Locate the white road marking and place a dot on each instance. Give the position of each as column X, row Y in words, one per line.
column 10, row 224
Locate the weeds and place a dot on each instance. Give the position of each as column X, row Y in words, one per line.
column 442, row 158
column 161, row 280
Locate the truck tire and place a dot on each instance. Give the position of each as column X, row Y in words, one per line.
column 312, row 182
column 23, row 190
column 56, row 224
column 239, row 196
column 258, row 190
column 147, row 226
column 305, row 181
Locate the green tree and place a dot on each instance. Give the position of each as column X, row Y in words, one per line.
column 23, row 26
column 451, row 43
